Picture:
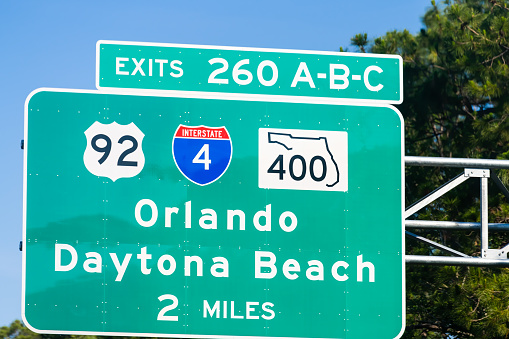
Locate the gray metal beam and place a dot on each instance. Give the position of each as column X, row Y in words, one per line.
column 454, row 261
column 479, row 168
column 456, row 162
column 454, row 225
column 435, row 244
column 435, row 194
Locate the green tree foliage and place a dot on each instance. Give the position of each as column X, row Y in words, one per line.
column 456, row 104
column 17, row 330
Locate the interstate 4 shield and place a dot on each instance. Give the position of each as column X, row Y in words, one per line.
column 202, row 153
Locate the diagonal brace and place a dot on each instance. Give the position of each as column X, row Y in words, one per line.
column 499, row 184
column 505, row 248
column 436, row 245
column 436, row 194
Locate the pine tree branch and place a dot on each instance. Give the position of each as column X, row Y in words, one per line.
column 438, row 329
column 458, row 332
column 475, row 308
column 495, row 3
column 464, row 24
column 480, row 319
column 496, row 57
column 439, row 67
column 427, row 326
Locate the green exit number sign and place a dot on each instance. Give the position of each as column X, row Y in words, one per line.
column 250, row 73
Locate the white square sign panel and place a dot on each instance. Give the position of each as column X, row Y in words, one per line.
column 295, row 159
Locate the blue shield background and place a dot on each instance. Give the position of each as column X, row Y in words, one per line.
column 185, row 149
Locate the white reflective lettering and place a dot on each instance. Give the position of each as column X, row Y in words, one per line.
column 259, row 264
column 160, row 264
column 119, row 65
column 188, row 214
column 161, row 63
column 95, row 259
column 303, row 68
column 267, row 308
column 220, row 267
column 263, row 214
column 174, row 66
column 208, row 220
column 342, row 77
column 334, row 271
column 315, row 270
column 250, row 309
column 137, row 67
column 137, row 212
column 168, row 211
column 187, row 265
column 242, row 219
column 366, row 80
column 120, row 267
column 259, row 73
column 207, row 310
column 362, row 265
column 143, row 256
column 58, row 257
column 291, row 265
column 282, row 221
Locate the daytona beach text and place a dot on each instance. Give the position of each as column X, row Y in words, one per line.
column 266, row 264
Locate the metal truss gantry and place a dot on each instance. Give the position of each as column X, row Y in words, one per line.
column 472, row 168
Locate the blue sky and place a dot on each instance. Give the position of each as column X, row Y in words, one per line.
column 52, row 44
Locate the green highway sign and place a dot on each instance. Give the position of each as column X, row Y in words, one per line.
column 250, row 73
column 184, row 217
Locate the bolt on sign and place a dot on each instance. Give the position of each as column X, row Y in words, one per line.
column 166, row 212
column 250, row 73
